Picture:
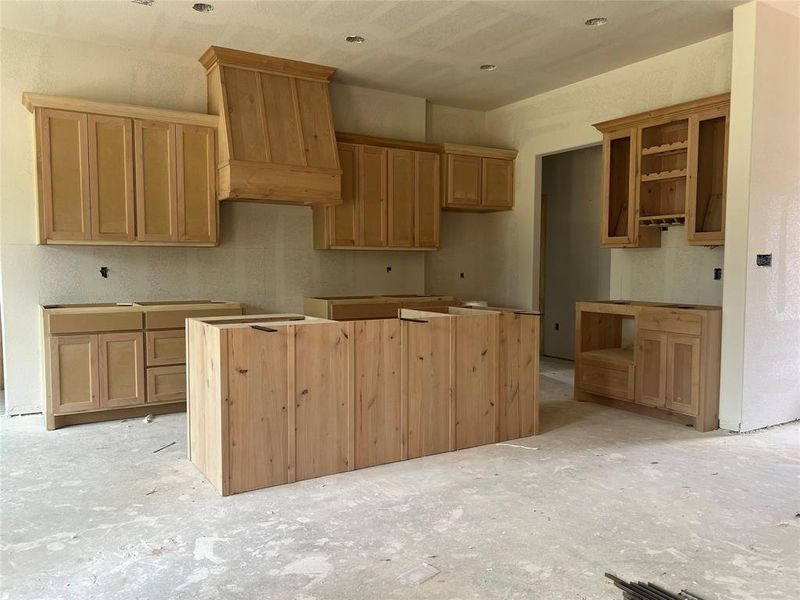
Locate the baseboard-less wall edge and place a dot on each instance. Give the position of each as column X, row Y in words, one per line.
column 57, row 421
column 646, row 411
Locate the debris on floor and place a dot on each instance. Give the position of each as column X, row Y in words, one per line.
column 517, row 446
column 149, row 419
column 419, row 574
column 648, row 591
column 164, row 447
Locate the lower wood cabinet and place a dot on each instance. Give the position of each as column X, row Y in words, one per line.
column 280, row 398
column 121, row 369
column 121, row 174
column 110, row 361
column 675, row 362
column 390, row 197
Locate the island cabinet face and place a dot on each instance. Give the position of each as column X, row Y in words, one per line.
column 279, row 399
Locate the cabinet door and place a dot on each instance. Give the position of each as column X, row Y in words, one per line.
column 619, row 188
column 343, row 218
column 463, row 180
column 121, row 369
column 651, row 368
column 196, row 184
column 372, row 195
column 73, row 373
column 156, row 189
column 111, row 178
column 707, row 174
column 683, row 373
column 498, row 183
column 401, row 198
column 426, row 218
column 64, row 177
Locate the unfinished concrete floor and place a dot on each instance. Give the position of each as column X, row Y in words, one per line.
column 91, row 512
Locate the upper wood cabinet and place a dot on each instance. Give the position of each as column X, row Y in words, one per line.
column 390, row 196
column 478, row 179
column 276, row 140
column 123, row 174
column 665, row 168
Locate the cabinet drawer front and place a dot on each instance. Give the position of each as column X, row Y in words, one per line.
column 606, row 380
column 166, row 384
column 176, row 319
column 166, row 347
column 95, row 321
column 671, row 321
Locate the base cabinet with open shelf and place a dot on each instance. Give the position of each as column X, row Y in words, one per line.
column 654, row 358
column 665, row 168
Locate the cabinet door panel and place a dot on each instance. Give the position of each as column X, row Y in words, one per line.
column 619, row 188
column 65, row 211
column 73, row 373
column 464, row 180
column 683, row 374
column 426, row 221
column 343, row 218
column 156, row 189
column 401, row 198
column 498, row 183
column 651, row 369
column 121, row 369
column 372, row 195
column 706, row 183
column 111, row 178
column 196, row 184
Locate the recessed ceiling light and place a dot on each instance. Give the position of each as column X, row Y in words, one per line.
column 355, row 39
column 488, row 67
column 595, row 22
column 144, row 2
column 203, row 7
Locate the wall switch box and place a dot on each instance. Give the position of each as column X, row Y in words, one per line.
column 763, row 260
column 717, row 273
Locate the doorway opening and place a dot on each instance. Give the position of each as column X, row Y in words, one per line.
column 573, row 266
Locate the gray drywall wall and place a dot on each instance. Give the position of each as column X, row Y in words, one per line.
column 576, row 268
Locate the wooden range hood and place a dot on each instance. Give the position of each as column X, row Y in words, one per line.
column 276, row 138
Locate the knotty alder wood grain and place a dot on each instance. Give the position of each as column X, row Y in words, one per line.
column 668, row 367
column 117, row 174
column 280, row 398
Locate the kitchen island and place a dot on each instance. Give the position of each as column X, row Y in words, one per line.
column 275, row 399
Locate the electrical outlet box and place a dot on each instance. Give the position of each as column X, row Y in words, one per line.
column 763, row 260
column 717, row 273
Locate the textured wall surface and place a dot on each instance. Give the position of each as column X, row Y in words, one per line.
column 266, row 256
column 575, row 266
column 499, row 253
column 761, row 326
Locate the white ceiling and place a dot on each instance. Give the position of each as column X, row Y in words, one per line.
column 424, row 48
